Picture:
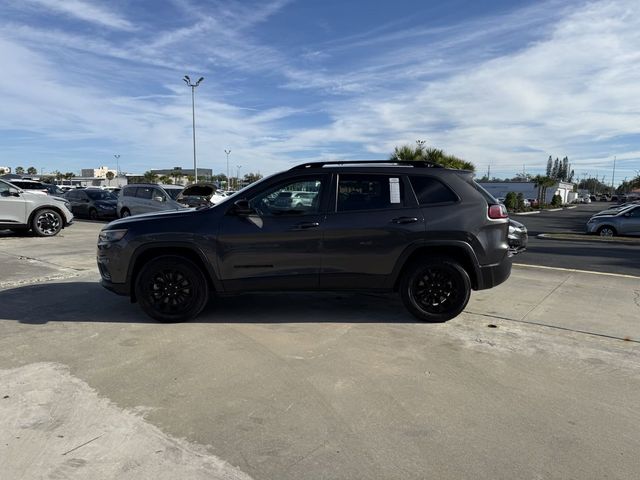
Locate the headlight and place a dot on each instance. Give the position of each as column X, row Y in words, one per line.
column 109, row 236
column 67, row 206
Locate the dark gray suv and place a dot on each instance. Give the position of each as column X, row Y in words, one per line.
column 430, row 233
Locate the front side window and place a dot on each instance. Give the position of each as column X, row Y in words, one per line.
column 295, row 197
column 172, row 192
column 129, row 192
column 4, row 189
column 144, row 192
column 369, row 192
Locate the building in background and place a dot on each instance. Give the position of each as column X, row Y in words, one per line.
column 181, row 175
column 530, row 190
column 100, row 172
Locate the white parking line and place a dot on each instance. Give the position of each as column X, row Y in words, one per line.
column 576, row 270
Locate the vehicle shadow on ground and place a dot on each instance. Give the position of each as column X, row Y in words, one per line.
column 89, row 302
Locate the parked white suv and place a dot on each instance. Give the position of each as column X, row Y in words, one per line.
column 21, row 210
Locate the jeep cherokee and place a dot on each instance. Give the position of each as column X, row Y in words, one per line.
column 430, row 233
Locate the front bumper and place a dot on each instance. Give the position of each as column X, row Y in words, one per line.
column 118, row 288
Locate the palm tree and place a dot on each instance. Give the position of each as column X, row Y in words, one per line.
column 32, row 171
column 420, row 152
column 19, row 170
column 150, row 177
column 109, row 176
column 167, row 180
column 543, row 182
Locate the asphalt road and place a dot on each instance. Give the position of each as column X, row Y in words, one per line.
column 598, row 257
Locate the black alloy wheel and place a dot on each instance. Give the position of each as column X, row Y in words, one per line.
column 46, row 223
column 436, row 289
column 607, row 231
column 172, row 289
column 125, row 213
column 93, row 214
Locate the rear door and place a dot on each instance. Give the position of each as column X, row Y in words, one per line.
column 374, row 218
column 277, row 247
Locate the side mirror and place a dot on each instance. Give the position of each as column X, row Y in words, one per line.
column 158, row 199
column 242, row 207
column 14, row 192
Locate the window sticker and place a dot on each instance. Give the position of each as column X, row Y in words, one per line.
column 394, row 190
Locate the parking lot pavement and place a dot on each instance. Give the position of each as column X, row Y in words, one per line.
column 534, row 380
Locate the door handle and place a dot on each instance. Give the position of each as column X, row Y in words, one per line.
column 305, row 225
column 402, row 220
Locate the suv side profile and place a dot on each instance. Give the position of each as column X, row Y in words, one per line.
column 20, row 210
column 140, row 198
column 429, row 233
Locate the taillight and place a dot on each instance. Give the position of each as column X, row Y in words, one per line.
column 498, row 211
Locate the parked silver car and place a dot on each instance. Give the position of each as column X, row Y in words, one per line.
column 623, row 222
column 148, row 197
column 43, row 214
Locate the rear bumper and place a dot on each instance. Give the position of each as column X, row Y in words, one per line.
column 492, row 275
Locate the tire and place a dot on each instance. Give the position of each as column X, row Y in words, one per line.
column 46, row 223
column 125, row 213
column 171, row 289
column 93, row 214
column 606, row 231
column 435, row 289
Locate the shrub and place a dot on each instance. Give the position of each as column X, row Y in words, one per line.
column 511, row 201
column 556, row 201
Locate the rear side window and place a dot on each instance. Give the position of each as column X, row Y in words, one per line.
column 487, row 196
column 129, row 192
column 429, row 190
column 369, row 192
column 144, row 192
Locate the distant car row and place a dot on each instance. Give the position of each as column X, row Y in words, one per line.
column 622, row 219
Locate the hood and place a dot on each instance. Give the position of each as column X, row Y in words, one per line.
column 123, row 222
column 199, row 190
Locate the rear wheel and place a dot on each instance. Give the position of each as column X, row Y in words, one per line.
column 125, row 213
column 46, row 223
column 93, row 214
column 435, row 289
column 606, row 231
column 171, row 289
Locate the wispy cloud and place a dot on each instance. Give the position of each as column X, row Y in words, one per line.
column 85, row 11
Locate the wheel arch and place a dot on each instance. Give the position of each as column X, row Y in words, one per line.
column 456, row 250
column 145, row 253
column 47, row 207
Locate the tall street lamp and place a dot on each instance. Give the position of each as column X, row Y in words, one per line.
column 227, row 152
column 238, row 167
column 117, row 157
column 193, row 86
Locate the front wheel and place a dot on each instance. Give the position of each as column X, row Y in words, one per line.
column 435, row 289
column 171, row 289
column 46, row 223
column 93, row 214
column 606, row 231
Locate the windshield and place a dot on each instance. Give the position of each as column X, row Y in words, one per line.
column 100, row 195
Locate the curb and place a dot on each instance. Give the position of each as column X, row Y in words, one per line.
column 553, row 209
column 580, row 237
column 528, row 213
column 570, row 208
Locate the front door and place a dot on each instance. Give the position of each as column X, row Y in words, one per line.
column 13, row 209
column 372, row 223
column 630, row 224
column 277, row 247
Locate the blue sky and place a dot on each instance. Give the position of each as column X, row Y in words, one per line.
column 500, row 83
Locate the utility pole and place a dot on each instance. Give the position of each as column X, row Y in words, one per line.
column 489, row 172
column 227, row 151
column 238, row 167
column 193, row 86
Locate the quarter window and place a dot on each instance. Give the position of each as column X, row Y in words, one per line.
column 369, row 192
column 429, row 190
column 129, row 192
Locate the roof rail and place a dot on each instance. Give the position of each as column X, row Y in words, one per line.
column 418, row 163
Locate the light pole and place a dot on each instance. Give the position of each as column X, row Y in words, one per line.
column 193, row 86
column 238, row 167
column 227, row 152
column 117, row 157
